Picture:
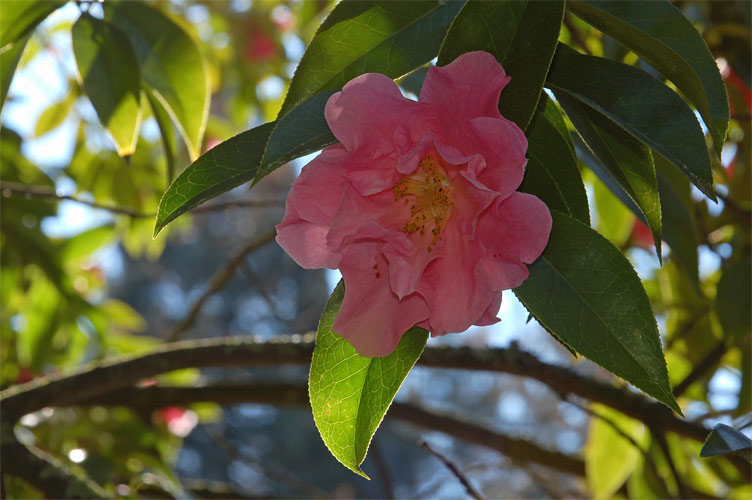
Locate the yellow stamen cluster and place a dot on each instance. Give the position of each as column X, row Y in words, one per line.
column 431, row 199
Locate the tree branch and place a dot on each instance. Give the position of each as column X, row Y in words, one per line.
column 43, row 471
column 217, row 282
column 152, row 397
column 10, row 188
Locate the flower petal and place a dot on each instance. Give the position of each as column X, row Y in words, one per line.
column 371, row 316
column 466, row 88
column 489, row 316
column 368, row 112
column 502, row 144
column 514, row 232
column 310, row 207
column 457, row 296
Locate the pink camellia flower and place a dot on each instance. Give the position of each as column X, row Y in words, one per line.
column 417, row 205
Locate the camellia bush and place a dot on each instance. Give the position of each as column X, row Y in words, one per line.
column 591, row 157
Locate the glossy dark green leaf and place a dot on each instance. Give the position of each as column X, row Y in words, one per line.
column 521, row 35
column 19, row 18
column 639, row 104
column 584, row 291
column 108, row 71
column 659, row 33
column 625, row 159
column 9, row 59
column 220, row 169
column 298, row 133
column 678, row 223
column 551, row 173
column 171, row 66
column 350, row 394
column 725, row 440
column 732, row 302
column 391, row 38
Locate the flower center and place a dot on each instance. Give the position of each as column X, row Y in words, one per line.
column 430, row 196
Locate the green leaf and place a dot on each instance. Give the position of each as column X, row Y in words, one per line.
column 171, row 66
column 626, row 160
column 20, row 18
column 386, row 37
column 52, row 117
column 679, row 229
column 298, row 133
column 609, row 456
column 109, row 73
column 220, row 169
column 732, row 302
column 85, row 243
column 167, row 132
column 639, row 104
column 521, row 35
column 584, row 291
column 10, row 56
column 350, row 394
column 659, row 33
column 551, row 173
column 725, row 440
column 615, row 220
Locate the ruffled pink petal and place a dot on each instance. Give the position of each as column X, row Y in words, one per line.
column 381, row 217
column 489, row 316
column 369, row 111
column 310, row 207
column 503, row 145
column 514, row 232
column 456, row 294
column 371, row 317
column 466, row 88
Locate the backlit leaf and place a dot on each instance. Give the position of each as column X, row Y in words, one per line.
column 109, row 74
column 350, row 394
column 20, row 18
column 9, row 59
column 52, row 117
column 584, row 291
column 171, row 66
column 734, row 297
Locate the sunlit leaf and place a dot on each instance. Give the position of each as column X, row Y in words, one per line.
column 610, row 457
column 19, row 18
column 349, row 393
column 659, row 33
column 109, row 74
column 10, row 56
column 171, row 65
column 55, row 114
column 391, row 38
column 584, row 291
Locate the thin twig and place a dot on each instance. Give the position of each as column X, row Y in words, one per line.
column 15, row 188
column 213, row 207
column 217, row 282
column 663, row 444
column 453, row 468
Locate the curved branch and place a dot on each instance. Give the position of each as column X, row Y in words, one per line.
column 146, row 399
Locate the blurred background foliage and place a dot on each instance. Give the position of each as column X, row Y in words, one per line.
column 82, row 280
